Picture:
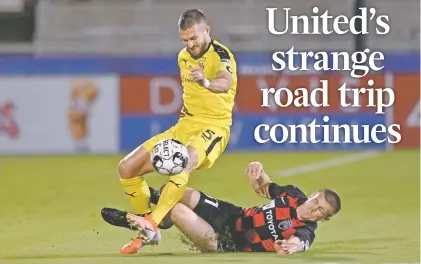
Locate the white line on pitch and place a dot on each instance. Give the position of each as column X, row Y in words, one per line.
column 336, row 162
column 363, row 262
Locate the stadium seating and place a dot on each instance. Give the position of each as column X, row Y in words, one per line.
column 149, row 26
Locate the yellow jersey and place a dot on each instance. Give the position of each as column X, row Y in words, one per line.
column 201, row 104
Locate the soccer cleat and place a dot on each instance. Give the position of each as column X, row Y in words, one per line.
column 155, row 241
column 148, row 229
column 116, row 217
column 136, row 244
column 132, row 247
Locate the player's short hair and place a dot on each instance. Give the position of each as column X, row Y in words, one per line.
column 190, row 17
column 333, row 199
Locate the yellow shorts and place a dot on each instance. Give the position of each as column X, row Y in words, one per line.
column 208, row 140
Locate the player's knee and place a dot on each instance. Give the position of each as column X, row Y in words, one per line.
column 123, row 169
column 190, row 198
column 134, row 164
column 126, row 170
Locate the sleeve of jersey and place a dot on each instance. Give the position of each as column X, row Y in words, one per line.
column 306, row 237
column 224, row 60
column 276, row 190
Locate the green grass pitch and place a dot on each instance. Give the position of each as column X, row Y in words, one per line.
column 50, row 209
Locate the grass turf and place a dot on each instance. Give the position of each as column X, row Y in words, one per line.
column 50, row 209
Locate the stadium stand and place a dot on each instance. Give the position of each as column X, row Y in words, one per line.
column 150, row 27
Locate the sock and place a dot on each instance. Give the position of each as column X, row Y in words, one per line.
column 154, row 195
column 171, row 194
column 137, row 191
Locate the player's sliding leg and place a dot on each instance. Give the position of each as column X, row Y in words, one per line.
column 188, row 222
column 118, row 218
column 193, row 216
column 191, row 198
column 194, row 228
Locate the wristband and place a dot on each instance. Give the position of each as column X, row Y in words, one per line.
column 206, row 83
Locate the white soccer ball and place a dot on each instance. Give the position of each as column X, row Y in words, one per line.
column 169, row 157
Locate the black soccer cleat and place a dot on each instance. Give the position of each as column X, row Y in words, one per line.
column 116, row 217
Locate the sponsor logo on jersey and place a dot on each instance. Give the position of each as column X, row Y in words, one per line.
column 226, row 61
column 185, row 79
column 202, row 63
column 270, row 224
column 285, row 224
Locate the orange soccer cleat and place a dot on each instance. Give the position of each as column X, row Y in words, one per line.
column 148, row 229
column 132, row 247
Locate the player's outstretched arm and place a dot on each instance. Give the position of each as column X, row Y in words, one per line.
column 259, row 180
column 262, row 184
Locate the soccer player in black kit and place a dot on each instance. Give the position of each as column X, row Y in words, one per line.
column 285, row 225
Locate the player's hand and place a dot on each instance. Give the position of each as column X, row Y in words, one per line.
column 254, row 170
column 197, row 74
column 290, row 246
column 278, row 247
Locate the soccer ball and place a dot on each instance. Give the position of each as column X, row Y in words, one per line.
column 169, row 157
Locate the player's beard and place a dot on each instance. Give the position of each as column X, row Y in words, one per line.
column 200, row 49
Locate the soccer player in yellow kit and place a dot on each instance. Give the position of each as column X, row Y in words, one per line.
column 209, row 80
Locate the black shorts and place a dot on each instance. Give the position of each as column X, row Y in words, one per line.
column 221, row 216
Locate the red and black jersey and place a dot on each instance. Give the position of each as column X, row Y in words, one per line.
column 259, row 227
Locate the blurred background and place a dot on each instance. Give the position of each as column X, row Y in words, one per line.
column 101, row 75
column 96, row 78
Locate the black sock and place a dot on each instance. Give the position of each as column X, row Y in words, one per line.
column 154, row 195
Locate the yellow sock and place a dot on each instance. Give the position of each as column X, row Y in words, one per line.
column 137, row 191
column 171, row 194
